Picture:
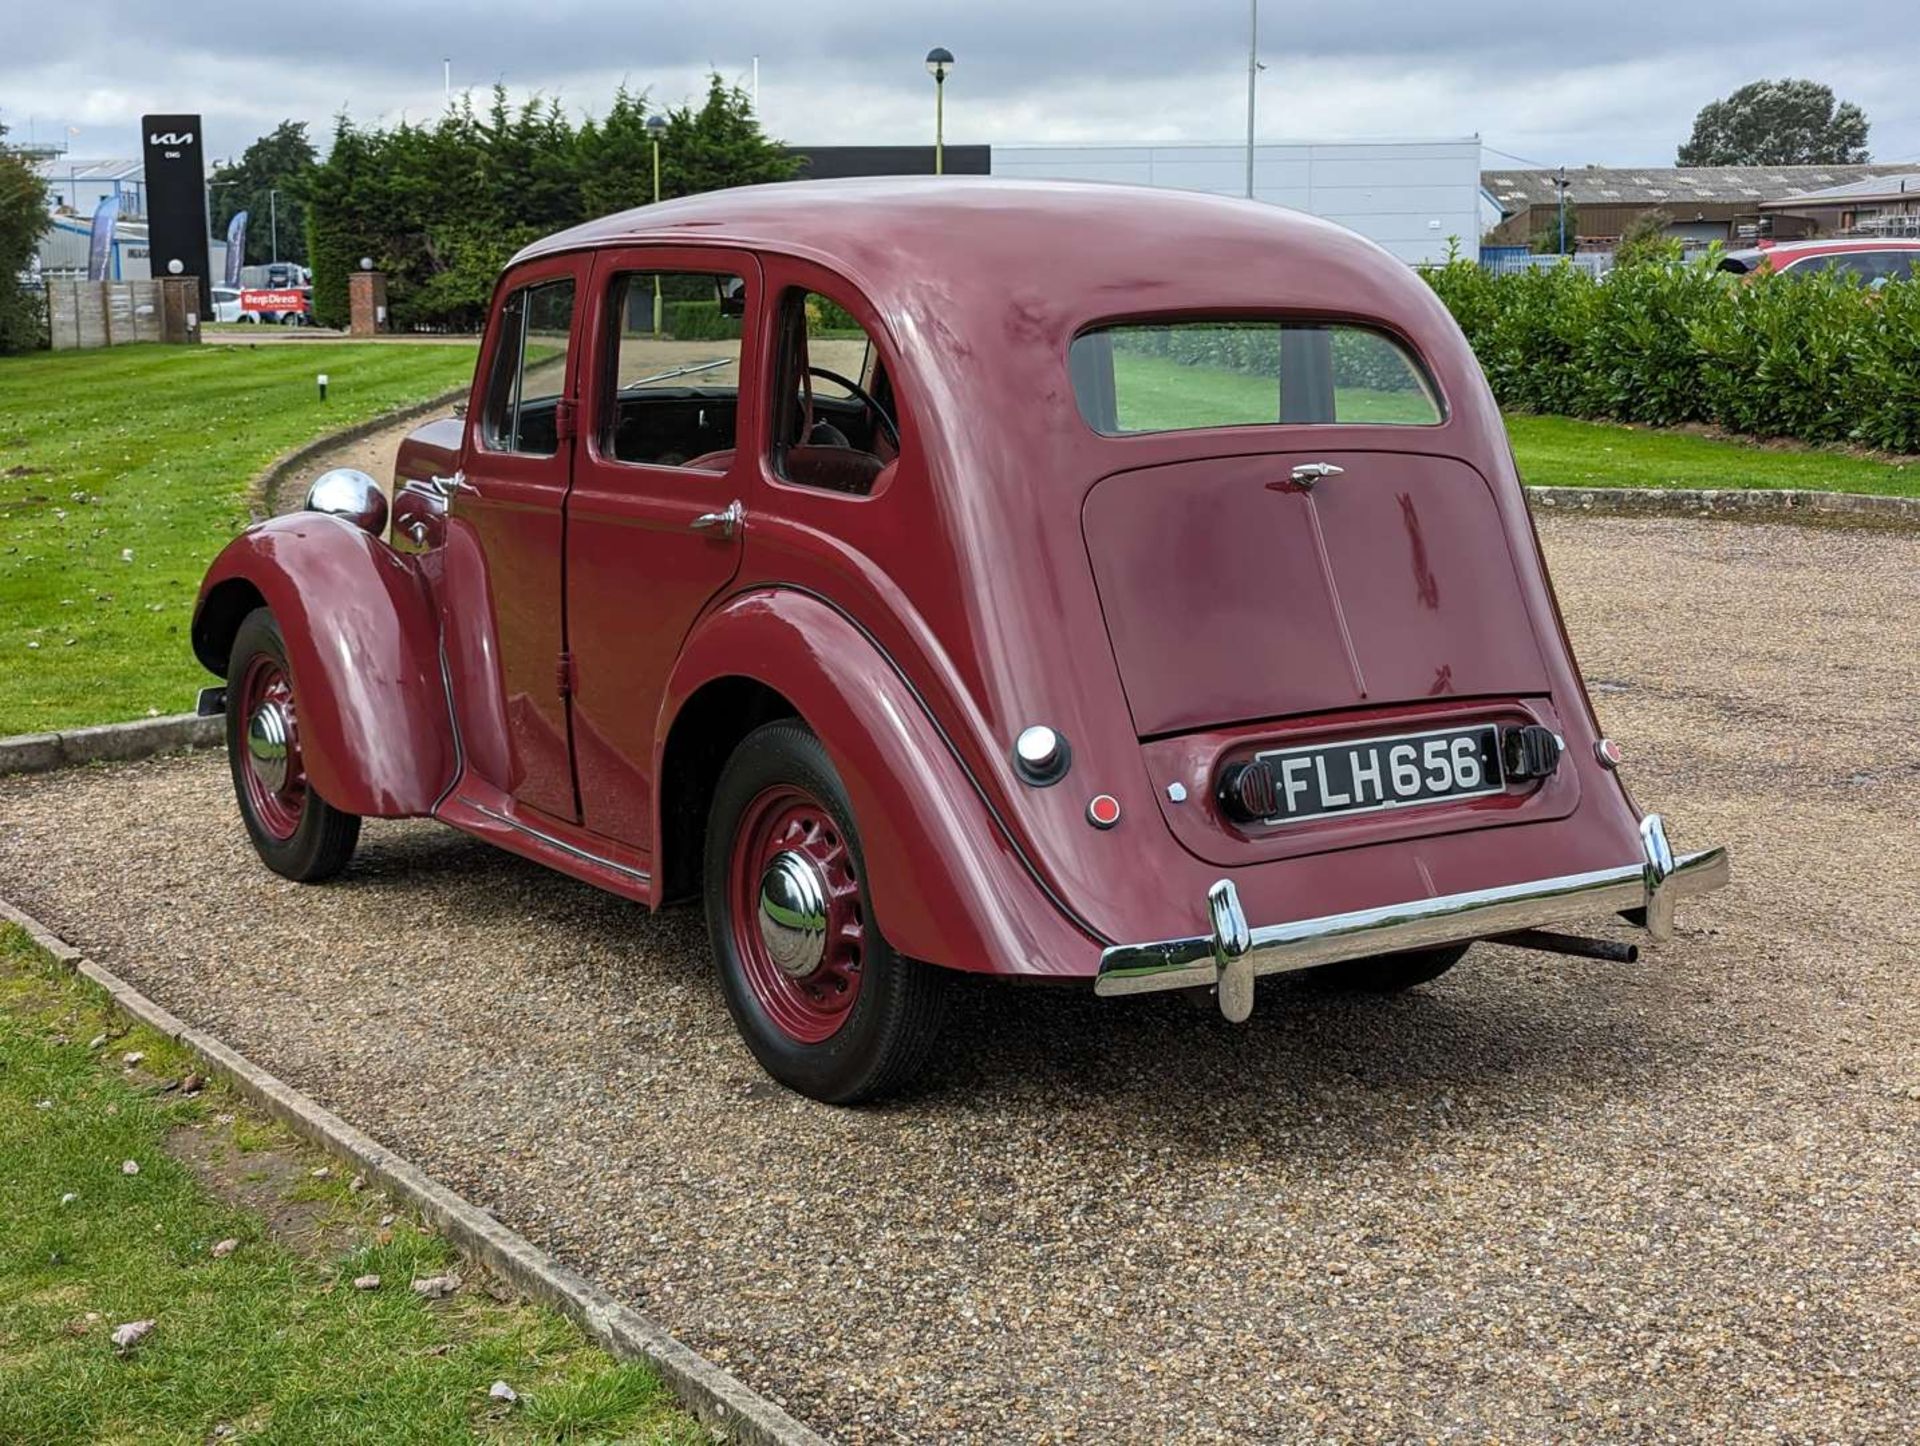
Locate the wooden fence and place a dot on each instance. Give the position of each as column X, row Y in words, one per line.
column 114, row 313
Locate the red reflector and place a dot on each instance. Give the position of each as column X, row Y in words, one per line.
column 1103, row 811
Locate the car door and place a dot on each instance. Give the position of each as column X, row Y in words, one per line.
column 504, row 541
column 670, row 434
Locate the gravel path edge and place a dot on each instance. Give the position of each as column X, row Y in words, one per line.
column 721, row 1402
column 263, row 492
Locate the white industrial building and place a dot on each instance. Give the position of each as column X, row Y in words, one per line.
column 1412, row 197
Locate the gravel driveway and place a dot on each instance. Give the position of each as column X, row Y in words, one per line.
column 1540, row 1198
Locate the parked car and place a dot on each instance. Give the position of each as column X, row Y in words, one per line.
column 226, row 305
column 1121, row 588
column 1876, row 262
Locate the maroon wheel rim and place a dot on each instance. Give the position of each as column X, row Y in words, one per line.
column 797, row 918
column 271, row 768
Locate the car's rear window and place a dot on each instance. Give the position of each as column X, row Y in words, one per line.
column 1179, row 375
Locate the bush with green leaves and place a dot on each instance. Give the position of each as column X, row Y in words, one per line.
column 1819, row 357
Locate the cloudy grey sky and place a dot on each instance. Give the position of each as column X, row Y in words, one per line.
column 1616, row 83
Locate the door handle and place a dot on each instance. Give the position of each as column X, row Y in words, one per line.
column 448, row 486
column 1308, row 473
column 724, row 523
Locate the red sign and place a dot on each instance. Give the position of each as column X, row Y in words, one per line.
column 288, row 300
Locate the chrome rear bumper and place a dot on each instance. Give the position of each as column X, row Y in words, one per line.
column 1233, row 954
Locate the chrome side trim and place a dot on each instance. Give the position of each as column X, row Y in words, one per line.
column 1232, row 955
column 566, row 848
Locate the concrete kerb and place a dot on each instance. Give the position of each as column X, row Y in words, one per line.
column 1759, row 502
column 724, row 1404
column 109, row 743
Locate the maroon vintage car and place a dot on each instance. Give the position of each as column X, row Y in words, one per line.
column 1102, row 585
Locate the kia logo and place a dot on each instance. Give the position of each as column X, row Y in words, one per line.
column 170, row 138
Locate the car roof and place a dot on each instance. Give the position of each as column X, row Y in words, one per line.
column 1842, row 243
column 927, row 244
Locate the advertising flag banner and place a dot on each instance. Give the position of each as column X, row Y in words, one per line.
column 236, row 247
column 100, row 244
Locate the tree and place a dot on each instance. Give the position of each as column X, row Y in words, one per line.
column 1777, row 123
column 23, row 216
column 440, row 208
column 281, row 162
column 1645, row 239
column 1545, row 240
column 719, row 145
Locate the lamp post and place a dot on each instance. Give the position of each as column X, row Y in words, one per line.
column 1560, row 184
column 273, row 221
column 939, row 62
column 656, row 128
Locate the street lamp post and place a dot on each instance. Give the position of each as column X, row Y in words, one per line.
column 273, row 221
column 939, row 62
column 656, row 128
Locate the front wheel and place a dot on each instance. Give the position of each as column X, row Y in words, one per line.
column 296, row 832
column 819, row 995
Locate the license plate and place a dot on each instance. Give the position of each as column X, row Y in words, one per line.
column 1367, row 775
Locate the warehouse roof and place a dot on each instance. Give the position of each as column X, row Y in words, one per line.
column 1671, row 185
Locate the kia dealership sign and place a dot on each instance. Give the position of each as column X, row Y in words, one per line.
column 177, row 199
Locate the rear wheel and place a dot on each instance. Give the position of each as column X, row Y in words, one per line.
column 822, row 1000
column 1390, row 973
column 296, row 832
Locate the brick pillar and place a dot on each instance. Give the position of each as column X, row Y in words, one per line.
column 366, row 303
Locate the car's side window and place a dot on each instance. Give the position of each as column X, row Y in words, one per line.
column 675, row 369
column 836, row 419
column 530, row 369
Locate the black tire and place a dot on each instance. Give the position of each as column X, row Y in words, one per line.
column 887, row 1034
column 1391, row 973
column 323, row 838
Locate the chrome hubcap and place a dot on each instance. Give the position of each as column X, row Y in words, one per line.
column 267, row 733
column 793, row 912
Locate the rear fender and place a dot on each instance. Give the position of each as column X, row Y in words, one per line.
column 944, row 878
column 363, row 647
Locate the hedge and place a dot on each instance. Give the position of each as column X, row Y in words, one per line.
column 1819, row 358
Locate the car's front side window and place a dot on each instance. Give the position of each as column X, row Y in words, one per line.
column 675, row 369
column 530, row 369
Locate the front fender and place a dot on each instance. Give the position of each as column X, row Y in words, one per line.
column 362, row 646
column 945, row 880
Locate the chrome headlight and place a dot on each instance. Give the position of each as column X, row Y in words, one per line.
column 346, row 492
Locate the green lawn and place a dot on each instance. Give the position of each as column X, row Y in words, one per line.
column 269, row 1342
column 1156, row 394
column 1561, row 452
column 122, row 472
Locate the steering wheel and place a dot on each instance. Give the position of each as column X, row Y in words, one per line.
column 862, row 396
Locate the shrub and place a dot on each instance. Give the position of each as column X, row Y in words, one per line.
column 1885, row 400
column 698, row 321
column 1639, row 357
column 1819, row 358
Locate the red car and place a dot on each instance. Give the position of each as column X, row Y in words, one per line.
column 1875, row 262
column 1123, row 588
